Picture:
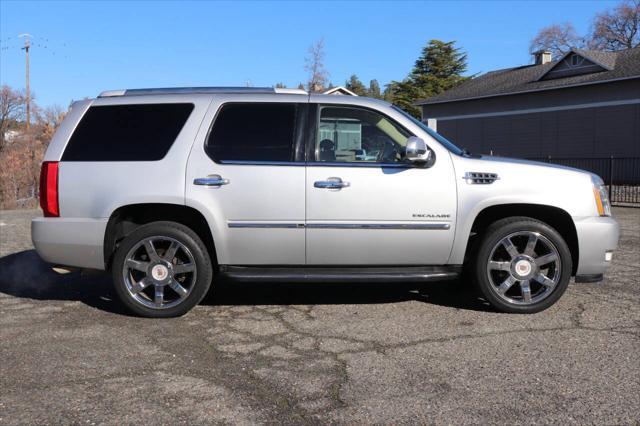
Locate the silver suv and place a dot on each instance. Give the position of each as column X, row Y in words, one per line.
column 171, row 189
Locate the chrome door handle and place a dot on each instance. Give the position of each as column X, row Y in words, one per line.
column 331, row 183
column 211, row 180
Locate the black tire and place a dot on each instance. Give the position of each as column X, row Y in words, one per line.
column 199, row 280
column 519, row 227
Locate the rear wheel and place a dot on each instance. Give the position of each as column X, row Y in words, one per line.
column 162, row 269
column 522, row 265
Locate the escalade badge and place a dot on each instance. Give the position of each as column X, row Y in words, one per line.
column 432, row 216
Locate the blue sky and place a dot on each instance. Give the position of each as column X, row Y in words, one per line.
column 95, row 46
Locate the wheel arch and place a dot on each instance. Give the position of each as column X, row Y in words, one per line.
column 125, row 219
column 555, row 217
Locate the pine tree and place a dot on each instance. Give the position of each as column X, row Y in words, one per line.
column 389, row 90
column 356, row 86
column 374, row 89
column 439, row 68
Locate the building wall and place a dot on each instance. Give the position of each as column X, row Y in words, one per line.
column 588, row 132
column 562, row 124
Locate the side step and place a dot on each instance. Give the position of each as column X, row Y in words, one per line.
column 340, row 274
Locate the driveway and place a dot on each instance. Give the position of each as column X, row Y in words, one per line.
column 315, row 353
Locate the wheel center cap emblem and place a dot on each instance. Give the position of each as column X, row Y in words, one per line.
column 159, row 272
column 523, row 268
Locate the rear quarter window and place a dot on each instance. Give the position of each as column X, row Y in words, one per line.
column 142, row 132
column 253, row 132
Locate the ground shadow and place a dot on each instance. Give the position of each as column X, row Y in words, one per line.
column 454, row 294
column 25, row 275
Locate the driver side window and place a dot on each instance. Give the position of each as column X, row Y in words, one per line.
column 355, row 135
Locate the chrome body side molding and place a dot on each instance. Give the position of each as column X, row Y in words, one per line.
column 408, row 226
column 328, row 225
column 274, row 225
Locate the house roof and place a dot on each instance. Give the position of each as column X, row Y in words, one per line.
column 340, row 90
column 616, row 66
column 605, row 59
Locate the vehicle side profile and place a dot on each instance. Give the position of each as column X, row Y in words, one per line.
column 170, row 189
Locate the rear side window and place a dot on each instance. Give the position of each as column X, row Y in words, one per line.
column 253, row 132
column 142, row 132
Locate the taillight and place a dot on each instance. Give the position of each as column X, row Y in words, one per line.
column 49, row 189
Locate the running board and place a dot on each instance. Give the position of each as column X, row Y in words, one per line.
column 339, row 273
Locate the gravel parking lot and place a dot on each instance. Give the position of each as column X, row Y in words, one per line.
column 315, row 353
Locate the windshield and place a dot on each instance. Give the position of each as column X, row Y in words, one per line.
column 437, row 136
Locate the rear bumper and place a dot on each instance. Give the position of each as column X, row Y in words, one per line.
column 596, row 237
column 70, row 241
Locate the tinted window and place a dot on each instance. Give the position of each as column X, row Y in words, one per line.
column 349, row 134
column 253, row 132
column 143, row 132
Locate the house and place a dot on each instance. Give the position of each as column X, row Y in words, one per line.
column 584, row 105
column 12, row 135
column 340, row 90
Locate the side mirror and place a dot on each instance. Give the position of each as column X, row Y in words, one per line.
column 417, row 151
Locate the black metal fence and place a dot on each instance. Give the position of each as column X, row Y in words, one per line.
column 620, row 174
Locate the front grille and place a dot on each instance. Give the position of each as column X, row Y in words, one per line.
column 480, row 178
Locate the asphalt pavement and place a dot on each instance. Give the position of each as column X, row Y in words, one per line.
column 308, row 353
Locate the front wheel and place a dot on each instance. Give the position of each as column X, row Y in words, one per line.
column 522, row 265
column 162, row 269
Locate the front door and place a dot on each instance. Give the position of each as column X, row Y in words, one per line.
column 244, row 176
column 364, row 204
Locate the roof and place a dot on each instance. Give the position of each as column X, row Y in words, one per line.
column 192, row 90
column 616, row 66
column 340, row 90
column 606, row 59
column 252, row 94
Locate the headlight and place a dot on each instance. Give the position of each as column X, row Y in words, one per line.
column 601, row 197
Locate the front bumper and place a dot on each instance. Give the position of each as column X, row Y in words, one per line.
column 596, row 237
column 595, row 278
column 70, row 241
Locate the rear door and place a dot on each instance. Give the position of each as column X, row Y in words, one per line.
column 365, row 204
column 246, row 174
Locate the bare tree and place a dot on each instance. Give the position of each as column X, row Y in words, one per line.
column 19, row 172
column 48, row 120
column 617, row 29
column 11, row 109
column 314, row 65
column 556, row 38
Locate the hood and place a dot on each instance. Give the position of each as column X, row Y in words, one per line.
column 518, row 161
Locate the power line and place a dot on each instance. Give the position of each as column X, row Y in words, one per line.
column 29, row 42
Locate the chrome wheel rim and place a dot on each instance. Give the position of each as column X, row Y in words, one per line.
column 159, row 272
column 524, row 268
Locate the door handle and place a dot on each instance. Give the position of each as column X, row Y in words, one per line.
column 211, row 180
column 331, row 183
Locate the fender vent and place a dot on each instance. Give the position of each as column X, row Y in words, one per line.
column 480, row 178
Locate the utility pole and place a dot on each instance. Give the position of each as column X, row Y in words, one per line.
column 27, row 45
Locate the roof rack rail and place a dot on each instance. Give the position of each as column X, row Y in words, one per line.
column 191, row 90
column 291, row 91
